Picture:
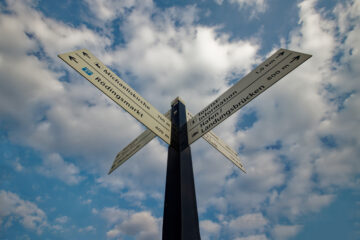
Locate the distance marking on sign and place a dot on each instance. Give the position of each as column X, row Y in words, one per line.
column 256, row 82
column 109, row 83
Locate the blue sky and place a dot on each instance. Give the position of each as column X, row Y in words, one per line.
column 299, row 141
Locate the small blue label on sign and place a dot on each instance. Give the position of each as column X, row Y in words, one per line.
column 88, row 72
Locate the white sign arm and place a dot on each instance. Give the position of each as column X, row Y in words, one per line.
column 147, row 136
column 109, row 83
column 135, row 146
column 252, row 85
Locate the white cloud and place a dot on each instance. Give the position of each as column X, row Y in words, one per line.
column 256, row 6
column 248, row 223
column 253, row 237
column 141, row 225
column 34, row 105
column 259, row 5
column 168, row 58
column 264, row 172
column 219, row 1
column 62, row 219
column 13, row 208
column 108, row 10
column 55, row 37
column 86, row 201
column 283, row 232
column 316, row 201
column 113, row 233
column 209, row 228
column 17, row 165
column 87, row 229
column 94, row 211
column 114, row 215
column 54, row 166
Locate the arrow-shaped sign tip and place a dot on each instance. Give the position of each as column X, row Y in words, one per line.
column 73, row 59
column 85, row 54
column 295, row 58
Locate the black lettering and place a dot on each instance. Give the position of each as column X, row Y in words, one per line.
column 286, row 66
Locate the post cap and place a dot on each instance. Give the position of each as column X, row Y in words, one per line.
column 177, row 99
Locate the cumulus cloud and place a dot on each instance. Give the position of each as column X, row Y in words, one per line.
column 55, row 166
column 55, row 116
column 255, row 6
column 110, row 9
column 62, row 219
column 13, row 208
column 141, row 225
column 17, row 165
column 114, row 215
column 258, row 6
column 285, row 231
column 253, row 237
column 209, row 228
column 182, row 60
column 248, row 224
column 87, row 229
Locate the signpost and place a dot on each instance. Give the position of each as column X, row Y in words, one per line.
column 180, row 219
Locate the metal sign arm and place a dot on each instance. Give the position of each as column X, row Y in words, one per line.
column 84, row 62
column 244, row 91
column 138, row 143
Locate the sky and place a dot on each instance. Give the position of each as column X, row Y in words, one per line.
column 299, row 140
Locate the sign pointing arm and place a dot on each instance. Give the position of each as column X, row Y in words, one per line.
column 256, row 82
column 144, row 138
column 114, row 87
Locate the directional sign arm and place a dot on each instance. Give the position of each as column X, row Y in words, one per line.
column 252, row 85
column 134, row 147
column 221, row 146
column 114, row 87
column 147, row 136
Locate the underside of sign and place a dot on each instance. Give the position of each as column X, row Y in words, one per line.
column 147, row 136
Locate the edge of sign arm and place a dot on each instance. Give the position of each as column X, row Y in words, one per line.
column 143, row 139
column 218, row 141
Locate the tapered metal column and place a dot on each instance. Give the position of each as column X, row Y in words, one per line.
column 180, row 219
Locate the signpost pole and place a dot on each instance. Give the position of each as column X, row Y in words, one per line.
column 180, row 219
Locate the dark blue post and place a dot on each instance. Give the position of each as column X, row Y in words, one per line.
column 180, row 221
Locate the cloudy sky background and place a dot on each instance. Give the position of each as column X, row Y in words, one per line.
column 299, row 141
